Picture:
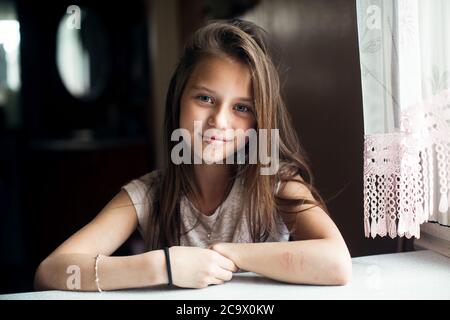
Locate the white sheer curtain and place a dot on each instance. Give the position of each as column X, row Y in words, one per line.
column 405, row 70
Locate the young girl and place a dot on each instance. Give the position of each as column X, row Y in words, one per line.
column 203, row 221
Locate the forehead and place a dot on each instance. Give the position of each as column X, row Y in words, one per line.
column 222, row 74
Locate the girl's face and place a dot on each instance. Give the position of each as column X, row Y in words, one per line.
column 219, row 94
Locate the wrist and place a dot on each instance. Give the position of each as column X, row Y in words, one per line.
column 228, row 250
column 156, row 267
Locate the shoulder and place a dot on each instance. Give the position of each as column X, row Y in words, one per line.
column 294, row 188
column 142, row 192
column 148, row 178
column 144, row 184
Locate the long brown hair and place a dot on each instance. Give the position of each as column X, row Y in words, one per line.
column 250, row 44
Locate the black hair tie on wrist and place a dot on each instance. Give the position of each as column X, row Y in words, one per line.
column 169, row 270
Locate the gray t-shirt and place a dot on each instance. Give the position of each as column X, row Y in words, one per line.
column 226, row 224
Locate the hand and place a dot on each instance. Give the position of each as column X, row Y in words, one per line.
column 194, row 267
column 220, row 247
column 228, row 250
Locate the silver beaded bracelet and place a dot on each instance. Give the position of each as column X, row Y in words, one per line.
column 96, row 273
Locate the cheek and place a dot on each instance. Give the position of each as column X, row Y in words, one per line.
column 189, row 113
column 186, row 118
column 249, row 123
column 243, row 126
column 252, row 123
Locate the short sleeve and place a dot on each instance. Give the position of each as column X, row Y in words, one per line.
column 142, row 198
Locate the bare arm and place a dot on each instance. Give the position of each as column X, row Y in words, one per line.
column 319, row 262
column 75, row 271
column 103, row 235
column 191, row 267
column 318, row 254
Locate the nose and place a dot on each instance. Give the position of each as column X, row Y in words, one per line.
column 220, row 117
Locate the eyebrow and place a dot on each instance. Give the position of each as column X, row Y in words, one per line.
column 213, row 92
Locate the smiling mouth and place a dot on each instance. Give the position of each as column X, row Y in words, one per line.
column 214, row 139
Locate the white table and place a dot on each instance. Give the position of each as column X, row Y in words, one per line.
column 410, row 275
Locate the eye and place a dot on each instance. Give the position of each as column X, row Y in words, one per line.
column 242, row 108
column 203, row 98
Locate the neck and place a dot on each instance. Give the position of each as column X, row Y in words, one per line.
column 213, row 182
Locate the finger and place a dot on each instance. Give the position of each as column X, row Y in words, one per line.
column 216, row 281
column 224, row 275
column 226, row 263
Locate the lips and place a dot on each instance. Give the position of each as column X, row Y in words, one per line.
column 219, row 139
column 215, row 139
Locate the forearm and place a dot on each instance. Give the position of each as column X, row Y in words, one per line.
column 321, row 261
column 59, row 272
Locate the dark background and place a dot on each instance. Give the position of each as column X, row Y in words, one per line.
column 52, row 183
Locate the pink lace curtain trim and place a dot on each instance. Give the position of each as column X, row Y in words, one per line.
column 400, row 169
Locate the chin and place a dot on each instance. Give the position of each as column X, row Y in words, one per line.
column 210, row 159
